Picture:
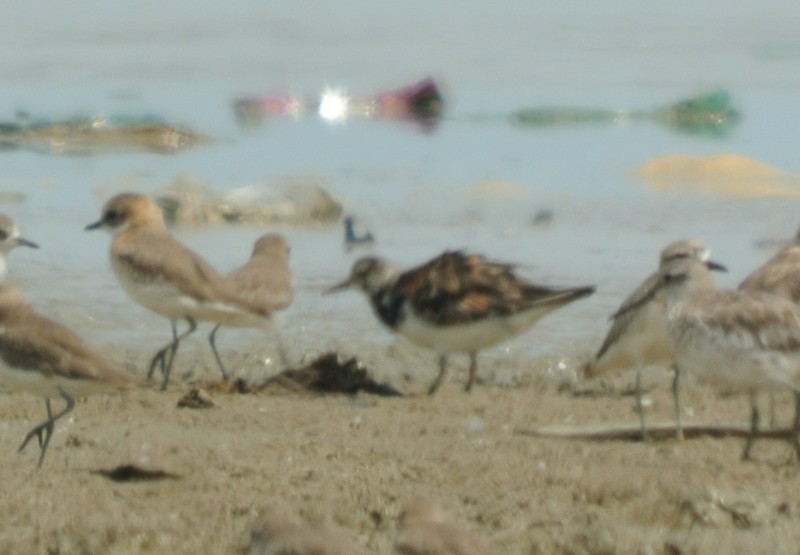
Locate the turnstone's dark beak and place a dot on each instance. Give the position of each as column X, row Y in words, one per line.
column 25, row 243
column 716, row 266
column 96, row 225
column 346, row 284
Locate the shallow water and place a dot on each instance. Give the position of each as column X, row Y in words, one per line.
column 416, row 191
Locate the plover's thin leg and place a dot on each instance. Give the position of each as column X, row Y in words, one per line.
column 166, row 355
column 211, row 340
column 38, row 431
column 473, row 370
column 49, row 417
column 639, row 404
column 796, row 425
column 46, row 428
column 166, row 368
column 676, row 396
column 754, row 418
column 178, row 339
column 160, row 356
column 440, row 378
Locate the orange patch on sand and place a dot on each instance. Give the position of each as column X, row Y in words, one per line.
column 726, row 174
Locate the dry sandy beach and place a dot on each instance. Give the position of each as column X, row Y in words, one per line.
column 353, row 462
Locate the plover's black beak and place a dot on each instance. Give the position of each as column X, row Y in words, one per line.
column 346, row 284
column 25, row 243
column 96, row 225
column 716, row 266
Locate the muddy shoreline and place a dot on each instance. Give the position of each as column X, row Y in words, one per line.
column 353, row 461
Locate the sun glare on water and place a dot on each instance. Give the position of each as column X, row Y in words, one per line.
column 333, row 105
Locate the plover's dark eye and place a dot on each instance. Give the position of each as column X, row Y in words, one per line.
column 111, row 216
column 3, row 235
column 674, row 277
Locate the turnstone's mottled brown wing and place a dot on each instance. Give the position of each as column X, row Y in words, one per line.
column 458, row 288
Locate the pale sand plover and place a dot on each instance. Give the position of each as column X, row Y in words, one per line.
column 425, row 529
column 265, row 281
column 779, row 275
column 164, row 276
column 638, row 336
column 45, row 358
column 10, row 239
column 736, row 340
column 455, row 303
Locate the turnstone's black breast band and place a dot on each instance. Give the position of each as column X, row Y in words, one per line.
column 388, row 305
column 456, row 302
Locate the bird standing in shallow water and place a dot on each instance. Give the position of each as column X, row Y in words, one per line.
column 455, row 303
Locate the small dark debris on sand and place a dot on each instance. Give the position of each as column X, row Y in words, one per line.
column 197, row 398
column 326, row 374
column 133, row 473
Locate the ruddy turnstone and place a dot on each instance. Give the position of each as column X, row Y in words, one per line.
column 456, row 302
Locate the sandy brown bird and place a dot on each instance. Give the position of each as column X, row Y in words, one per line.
column 638, row 336
column 456, row 302
column 164, row 276
column 779, row 275
column 45, row 358
column 737, row 340
column 265, row 282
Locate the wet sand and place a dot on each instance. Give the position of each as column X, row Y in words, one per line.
column 353, row 462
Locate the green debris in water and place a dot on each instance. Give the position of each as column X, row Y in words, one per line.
column 710, row 113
